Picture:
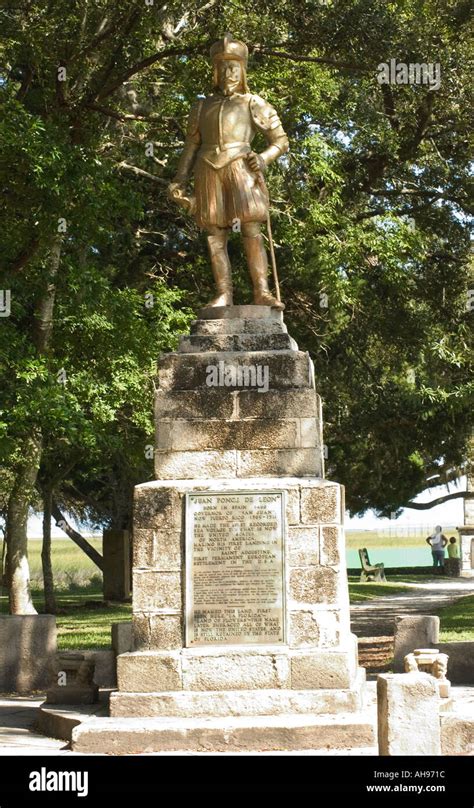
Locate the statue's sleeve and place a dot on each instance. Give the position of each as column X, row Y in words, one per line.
column 265, row 119
column 191, row 144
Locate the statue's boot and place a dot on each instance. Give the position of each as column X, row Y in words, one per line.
column 258, row 265
column 220, row 269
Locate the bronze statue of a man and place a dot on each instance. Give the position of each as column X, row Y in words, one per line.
column 228, row 176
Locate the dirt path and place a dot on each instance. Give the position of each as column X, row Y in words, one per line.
column 373, row 620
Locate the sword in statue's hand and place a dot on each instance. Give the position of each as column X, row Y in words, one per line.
column 257, row 164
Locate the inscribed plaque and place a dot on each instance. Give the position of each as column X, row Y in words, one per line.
column 235, row 568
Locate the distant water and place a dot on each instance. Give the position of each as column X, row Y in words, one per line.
column 393, row 557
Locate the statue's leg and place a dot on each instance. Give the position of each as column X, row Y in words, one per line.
column 217, row 243
column 258, row 265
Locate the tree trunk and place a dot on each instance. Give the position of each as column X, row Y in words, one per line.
column 17, row 569
column 49, row 597
column 76, row 537
column 16, row 566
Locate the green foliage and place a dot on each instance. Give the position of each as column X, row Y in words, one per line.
column 370, row 209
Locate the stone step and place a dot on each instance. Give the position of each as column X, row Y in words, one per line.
column 221, row 703
column 269, row 370
column 58, row 721
column 238, row 326
column 197, row 343
column 129, row 736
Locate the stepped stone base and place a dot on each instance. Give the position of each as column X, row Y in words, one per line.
column 59, row 721
column 237, row 413
column 220, row 703
column 128, row 736
column 237, row 399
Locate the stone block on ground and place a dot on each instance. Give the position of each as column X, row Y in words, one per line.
column 73, row 679
column 105, row 672
column 27, row 652
column 414, row 631
column 461, row 661
column 408, row 714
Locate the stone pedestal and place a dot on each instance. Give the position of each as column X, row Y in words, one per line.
column 408, row 714
column 27, row 651
column 237, row 415
column 466, row 536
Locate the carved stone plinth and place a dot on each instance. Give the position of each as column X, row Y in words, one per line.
column 240, row 599
column 429, row 660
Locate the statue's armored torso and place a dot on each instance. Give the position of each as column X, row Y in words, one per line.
column 227, row 125
column 223, row 127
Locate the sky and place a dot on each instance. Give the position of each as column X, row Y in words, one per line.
column 450, row 514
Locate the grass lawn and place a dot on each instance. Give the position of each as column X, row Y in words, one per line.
column 359, row 592
column 73, row 570
column 83, row 619
column 84, row 622
column 457, row 621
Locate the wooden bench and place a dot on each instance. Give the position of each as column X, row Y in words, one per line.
column 370, row 572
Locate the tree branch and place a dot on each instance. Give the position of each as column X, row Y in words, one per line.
column 298, row 58
column 389, row 106
column 76, row 537
column 408, row 147
column 150, row 60
column 425, row 506
column 121, row 116
column 139, row 172
column 24, row 256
